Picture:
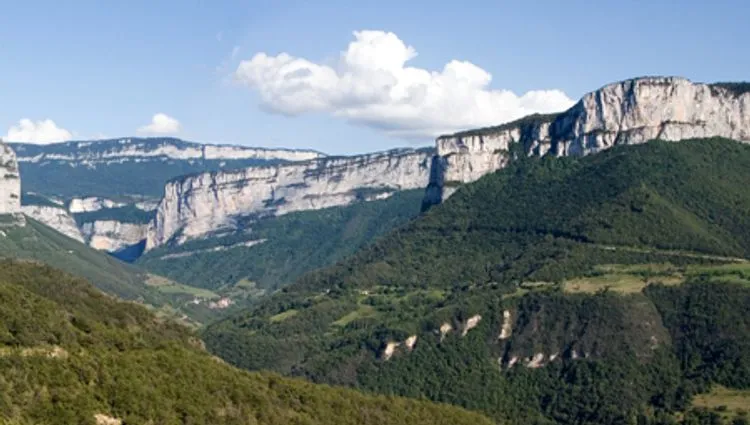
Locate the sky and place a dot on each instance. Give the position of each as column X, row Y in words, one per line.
column 341, row 77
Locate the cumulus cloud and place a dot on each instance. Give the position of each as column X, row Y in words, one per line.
column 39, row 132
column 372, row 85
column 161, row 124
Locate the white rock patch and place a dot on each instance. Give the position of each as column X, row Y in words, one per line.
column 507, row 328
column 56, row 218
column 471, row 324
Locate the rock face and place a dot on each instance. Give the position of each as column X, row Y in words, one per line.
column 91, row 204
column 197, row 205
column 55, row 217
column 108, row 229
column 91, row 153
column 112, row 235
column 628, row 112
column 132, row 169
column 10, row 181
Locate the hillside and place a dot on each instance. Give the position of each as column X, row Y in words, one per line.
column 271, row 252
column 38, row 243
column 494, row 300
column 35, row 241
column 69, row 354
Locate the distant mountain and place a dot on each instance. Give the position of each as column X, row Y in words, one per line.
column 71, row 355
column 131, row 168
column 102, row 192
column 604, row 289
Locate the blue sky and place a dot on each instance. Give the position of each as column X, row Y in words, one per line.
column 104, row 69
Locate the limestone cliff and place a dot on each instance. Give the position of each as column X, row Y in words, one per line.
column 55, row 217
column 627, row 112
column 113, row 235
column 10, row 181
column 133, row 149
column 101, row 223
column 91, row 204
column 197, row 205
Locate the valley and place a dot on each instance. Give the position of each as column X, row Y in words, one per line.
column 585, row 267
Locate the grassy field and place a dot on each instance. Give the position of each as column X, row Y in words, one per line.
column 724, row 400
column 362, row 312
column 630, row 279
column 167, row 286
column 283, row 316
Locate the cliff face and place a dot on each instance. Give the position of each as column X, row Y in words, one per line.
column 55, row 217
column 198, row 205
column 131, row 169
column 88, row 153
column 10, row 181
column 113, row 235
column 628, row 112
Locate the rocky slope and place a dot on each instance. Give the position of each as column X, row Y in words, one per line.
column 198, row 205
column 10, row 182
column 55, row 217
column 627, row 112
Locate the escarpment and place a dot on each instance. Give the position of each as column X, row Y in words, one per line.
column 628, row 112
column 10, row 181
column 195, row 206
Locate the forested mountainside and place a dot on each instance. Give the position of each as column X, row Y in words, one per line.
column 24, row 238
column 72, row 355
column 605, row 289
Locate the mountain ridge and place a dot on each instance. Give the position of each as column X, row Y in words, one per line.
column 626, row 112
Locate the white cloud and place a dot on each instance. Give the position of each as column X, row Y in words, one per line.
column 39, row 132
column 161, row 124
column 372, row 85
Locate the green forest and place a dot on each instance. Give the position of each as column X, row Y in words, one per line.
column 72, row 355
column 600, row 262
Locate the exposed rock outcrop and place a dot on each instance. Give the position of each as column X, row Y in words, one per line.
column 92, row 153
column 507, row 327
column 91, row 204
column 198, row 205
column 113, row 235
column 57, row 218
column 10, row 181
column 471, row 324
column 627, row 112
